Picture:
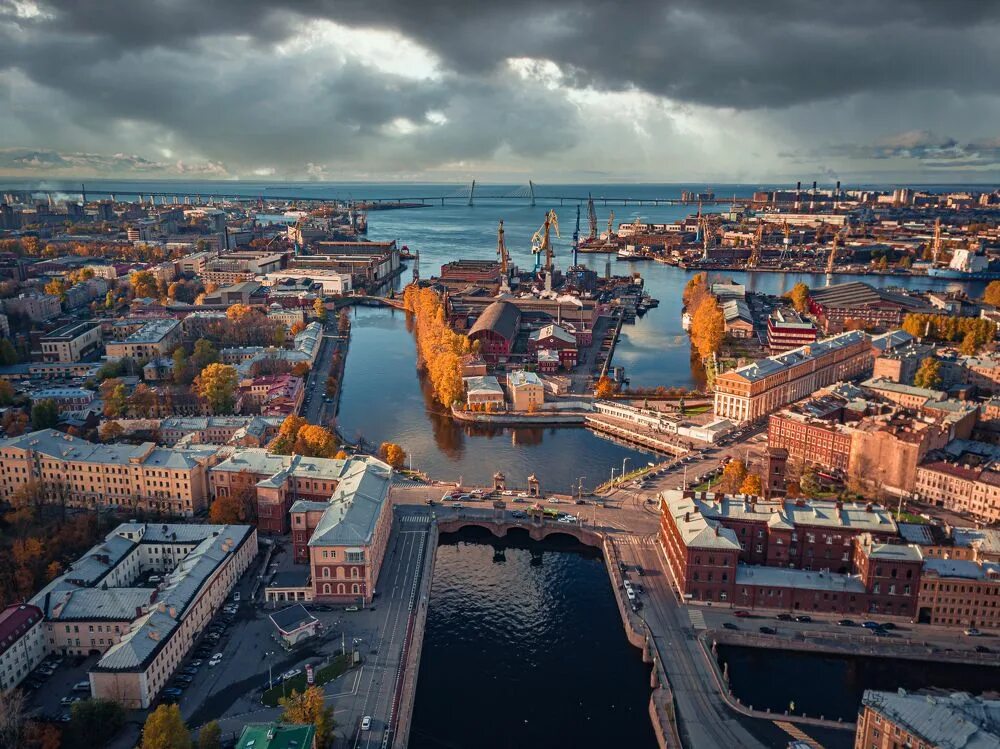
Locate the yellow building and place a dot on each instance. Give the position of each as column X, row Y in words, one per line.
column 526, row 390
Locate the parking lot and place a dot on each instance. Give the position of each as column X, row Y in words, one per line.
column 50, row 687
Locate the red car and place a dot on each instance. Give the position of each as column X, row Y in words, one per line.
column 741, row 614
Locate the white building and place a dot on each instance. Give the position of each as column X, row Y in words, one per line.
column 22, row 643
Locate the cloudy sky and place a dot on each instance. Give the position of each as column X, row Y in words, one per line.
column 442, row 90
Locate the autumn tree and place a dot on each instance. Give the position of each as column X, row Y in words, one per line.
column 56, row 287
column 165, row 729
column 708, row 327
column 12, row 717
column 992, row 294
column 392, row 454
column 298, row 327
column 315, row 442
column 799, row 296
column 6, row 393
column 733, row 476
column 40, row 736
column 439, row 348
column 239, row 312
column 752, row 485
column 144, row 284
column 694, row 291
column 142, row 402
column 319, row 309
column 929, row 374
column 284, row 442
column 301, row 369
column 809, row 483
column 115, row 398
column 217, row 385
column 210, row 736
column 110, row 431
column 44, row 415
column 309, row 708
column 605, row 388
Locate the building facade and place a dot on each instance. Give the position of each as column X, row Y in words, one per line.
column 22, row 643
column 72, row 343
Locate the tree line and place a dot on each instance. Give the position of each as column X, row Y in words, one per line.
column 440, row 349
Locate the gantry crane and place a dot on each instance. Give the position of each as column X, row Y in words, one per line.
column 611, row 223
column 936, row 246
column 504, row 260
column 832, row 257
column 592, row 216
column 786, row 242
column 541, row 241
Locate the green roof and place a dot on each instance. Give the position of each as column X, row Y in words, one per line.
column 276, row 736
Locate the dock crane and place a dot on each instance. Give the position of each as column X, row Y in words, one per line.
column 592, row 216
column 541, row 242
column 611, row 223
column 758, row 237
column 832, row 257
column 576, row 237
column 936, row 246
column 786, row 242
column 504, row 260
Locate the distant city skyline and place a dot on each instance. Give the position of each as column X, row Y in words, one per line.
column 569, row 92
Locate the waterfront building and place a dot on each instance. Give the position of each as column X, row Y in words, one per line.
column 557, row 340
column 787, row 329
column 465, row 272
column 527, row 391
column 927, row 721
column 496, row 330
column 235, row 267
column 22, row 643
column 738, row 318
column 156, row 337
column 960, row 592
column 485, row 392
column 809, row 555
column 858, row 303
column 73, row 472
column 757, row 389
column 72, row 343
column 329, row 281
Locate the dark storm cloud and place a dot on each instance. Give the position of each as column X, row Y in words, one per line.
column 716, row 52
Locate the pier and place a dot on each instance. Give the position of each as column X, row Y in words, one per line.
column 634, row 434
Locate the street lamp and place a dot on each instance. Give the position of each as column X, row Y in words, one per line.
column 579, row 487
column 624, row 461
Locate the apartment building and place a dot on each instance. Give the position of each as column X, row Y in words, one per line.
column 960, row 592
column 791, row 555
column 787, row 329
column 245, row 431
column 889, row 720
column 72, row 471
column 527, row 391
column 969, row 485
column 22, row 643
column 72, row 343
column 155, row 338
column 757, row 389
column 812, row 432
column 66, row 399
column 36, row 307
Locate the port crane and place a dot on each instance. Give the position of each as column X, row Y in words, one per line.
column 611, row 223
column 936, row 246
column 758, row 237
column 504, row 260
column 541, row 242
column 786, row 242
column 592, row 216
column 832, row 257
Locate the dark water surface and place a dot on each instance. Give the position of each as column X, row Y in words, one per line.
column 832, row 685
column 524, row 649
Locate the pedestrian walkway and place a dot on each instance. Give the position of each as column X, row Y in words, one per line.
column 421, row 519
column 797, row 733
column 641, row 542
column 697, row 618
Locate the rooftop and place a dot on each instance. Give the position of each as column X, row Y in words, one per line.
column 954, row 721
column 355, row 505
column 69, row 332
column 154, row 331
column 520, row 378
column 780, row 577
column 762, row 368
column 484, row 384
column 276, row 736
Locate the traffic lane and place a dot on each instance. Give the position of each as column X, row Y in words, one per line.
column 394, row 582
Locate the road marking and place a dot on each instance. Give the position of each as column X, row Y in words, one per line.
column 422, row 519
column 697, row 618
column 797, row 733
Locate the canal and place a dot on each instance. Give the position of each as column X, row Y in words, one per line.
column 524, row 649
column 833, row 684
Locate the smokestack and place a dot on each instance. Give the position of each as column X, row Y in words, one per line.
column 814, row 185
column 798, row 186
column 838, row 187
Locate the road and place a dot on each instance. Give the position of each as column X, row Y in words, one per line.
column 315, row 409
column 397, row 586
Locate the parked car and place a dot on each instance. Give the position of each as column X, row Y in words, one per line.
column 236, row 596
column 70, row 699
column 784, row 617
column 847, row 623
column 215, row 660
column 871, row 625
column 729, row 625
column 352, row 608
column 82, row 686
column 972, row 632
column 291, row 673
column 741, row 614
column 805, row 619
column 983, row 649
column 768, row 631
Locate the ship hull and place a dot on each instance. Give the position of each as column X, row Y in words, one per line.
column 956, row 275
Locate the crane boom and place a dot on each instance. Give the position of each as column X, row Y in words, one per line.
column 541, row 241
column 504, row 259
column 592, row 216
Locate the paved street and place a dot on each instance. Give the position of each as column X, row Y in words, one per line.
column 316, row 410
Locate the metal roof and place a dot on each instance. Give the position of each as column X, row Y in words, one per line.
column 501, row 318
column 355, row 506
column 954, row 721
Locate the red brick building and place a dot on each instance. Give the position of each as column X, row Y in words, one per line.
column 496, row 330
column 891, row 720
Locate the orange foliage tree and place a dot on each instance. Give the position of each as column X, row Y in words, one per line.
column 440, row 349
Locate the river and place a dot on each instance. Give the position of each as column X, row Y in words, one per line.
column 524, row 649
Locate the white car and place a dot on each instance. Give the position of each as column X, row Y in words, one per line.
column 366, row 723
column 630, row 593
column 236, row 596
column 215, row 660
column 291, row 673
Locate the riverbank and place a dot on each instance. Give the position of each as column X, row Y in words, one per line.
column 520, row 418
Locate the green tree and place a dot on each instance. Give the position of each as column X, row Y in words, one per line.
column 44, row 415
column 217, row 385
column 8, row 354
column 929, row 374
column 210, row 736
column 204, row 354
column 809, row 483
column 94, row 722
column 165, row 729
